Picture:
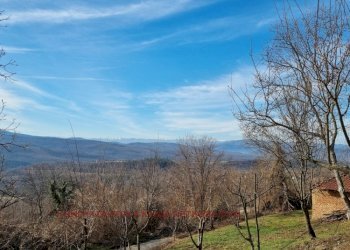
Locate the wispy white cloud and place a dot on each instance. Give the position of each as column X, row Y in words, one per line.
column 112, row 107
column 139, row 11
column 202, row 95
column 266, row 22
column 27, row 86
column 17, row 102
column 202, row 108
column 20, row 95
column 42, row 77
column 214, row 30
column 16, row 50
column 199, row 124
column 69, row 104
column 120, row 115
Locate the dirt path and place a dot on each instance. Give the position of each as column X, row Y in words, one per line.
column 154, row 244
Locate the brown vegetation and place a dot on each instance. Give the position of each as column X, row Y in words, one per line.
column 77, row 205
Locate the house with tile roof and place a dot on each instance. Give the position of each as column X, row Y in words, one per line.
column 326, row 198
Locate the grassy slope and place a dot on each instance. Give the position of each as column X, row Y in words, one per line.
column 279, row 231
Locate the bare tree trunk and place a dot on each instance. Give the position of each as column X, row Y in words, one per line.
column 125, row 235
column 212, row 227
column 256, row 211
column 175, row 228
column 341, row 191
column 286, row 206
column 332, row 159
column 200, row 233
column 310, row 229
column 85, row 233
column 250, row 237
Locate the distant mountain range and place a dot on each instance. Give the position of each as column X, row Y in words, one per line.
column 50, row 150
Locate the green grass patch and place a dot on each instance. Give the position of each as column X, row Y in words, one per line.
column 278, row 231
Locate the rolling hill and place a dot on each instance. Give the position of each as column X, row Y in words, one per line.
column 51, row 149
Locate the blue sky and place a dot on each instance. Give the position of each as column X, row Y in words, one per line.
column 130, row 69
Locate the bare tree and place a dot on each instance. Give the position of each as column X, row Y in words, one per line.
column 196, row 174
column 121, row 198
column 149, row 177
column 308, row 62
column 174, row 203
column 293, row 148
column 243, row 193
column 5, row 73
column 36, row 189
column 7, row 184
column 8, row 192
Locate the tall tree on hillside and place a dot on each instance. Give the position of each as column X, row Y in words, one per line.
column 292, row 147
column 309, row 62
column 196, row 165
